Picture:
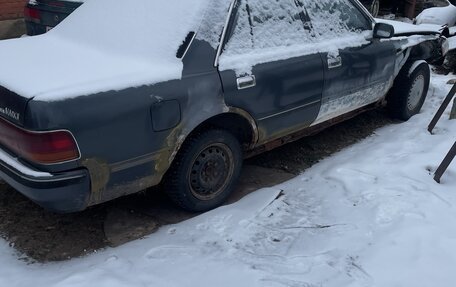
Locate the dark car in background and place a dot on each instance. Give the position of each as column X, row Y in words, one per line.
column 43, row 15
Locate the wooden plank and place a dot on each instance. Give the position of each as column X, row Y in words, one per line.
column 445, row 164
column 442, row 109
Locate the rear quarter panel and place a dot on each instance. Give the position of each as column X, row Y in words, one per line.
column 115, row 131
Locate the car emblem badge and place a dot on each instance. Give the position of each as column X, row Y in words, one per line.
column 10, row 113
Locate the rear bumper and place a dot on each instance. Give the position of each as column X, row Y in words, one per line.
column 62, row 192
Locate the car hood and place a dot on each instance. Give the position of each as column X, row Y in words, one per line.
column 407, row 29
column 51, row 68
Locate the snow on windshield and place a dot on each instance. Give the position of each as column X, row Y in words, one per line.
column 271, row 30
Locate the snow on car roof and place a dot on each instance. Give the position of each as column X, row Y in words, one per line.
column 97, row 49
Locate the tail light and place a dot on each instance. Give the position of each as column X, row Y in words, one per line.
column 31, row 14
column 39, row 147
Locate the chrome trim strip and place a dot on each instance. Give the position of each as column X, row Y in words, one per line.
column 290, row 110
column 189, row 45
column 123, row 165
column 52, row 178
column 222, row 38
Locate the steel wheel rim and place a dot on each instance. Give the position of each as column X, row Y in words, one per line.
column 416, row 92
column 211, row 171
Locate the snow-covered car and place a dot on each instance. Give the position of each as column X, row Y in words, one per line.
column 181, row 91
column 43, row 15
column 440, row 15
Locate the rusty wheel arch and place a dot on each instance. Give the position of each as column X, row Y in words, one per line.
column 235, row 120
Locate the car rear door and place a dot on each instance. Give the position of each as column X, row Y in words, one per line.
column 269, row 68
column 359, row 70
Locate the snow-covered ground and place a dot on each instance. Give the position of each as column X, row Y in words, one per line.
column 370, row 215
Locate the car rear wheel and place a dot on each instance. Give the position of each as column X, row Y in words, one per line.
column 205, row 171
column 409, row 91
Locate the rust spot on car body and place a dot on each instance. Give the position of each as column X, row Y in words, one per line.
column 99, row 177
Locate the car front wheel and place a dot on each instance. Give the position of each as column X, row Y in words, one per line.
column 205, row 171
column 410, row 90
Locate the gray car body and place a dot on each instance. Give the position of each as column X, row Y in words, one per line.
column 129, row 138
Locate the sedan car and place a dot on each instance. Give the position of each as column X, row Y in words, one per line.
column 43, row 15
column 181, row 91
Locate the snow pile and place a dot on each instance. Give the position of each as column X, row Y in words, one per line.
column 370, row 215
column 438, row 15
column 103, row 45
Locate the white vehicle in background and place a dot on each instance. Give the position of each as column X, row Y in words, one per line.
column 442, row 15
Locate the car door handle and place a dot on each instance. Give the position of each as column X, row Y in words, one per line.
column 246, row 82
column 334, row 62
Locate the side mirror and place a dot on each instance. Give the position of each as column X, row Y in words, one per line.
column 383, row 31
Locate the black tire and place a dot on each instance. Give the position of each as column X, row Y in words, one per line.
column 373, row 6
column 205, row 171
column 409, row 91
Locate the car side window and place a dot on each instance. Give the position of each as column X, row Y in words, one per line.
column 329, row 16
column 267, row 24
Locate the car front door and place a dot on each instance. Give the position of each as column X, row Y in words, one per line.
column 359, row 70
column 268, row 66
